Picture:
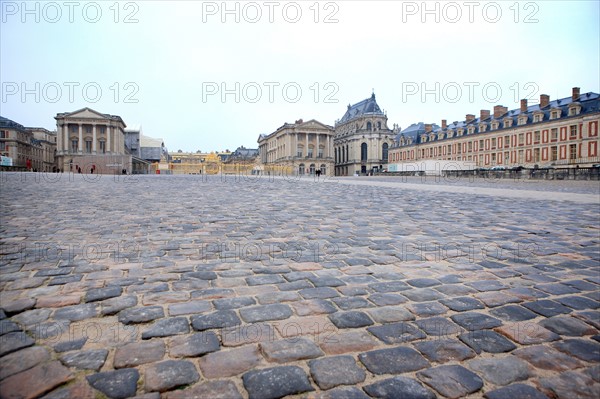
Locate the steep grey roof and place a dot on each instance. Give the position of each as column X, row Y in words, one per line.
column 5, row 122
column 367, row 106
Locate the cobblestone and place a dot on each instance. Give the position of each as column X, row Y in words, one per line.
column 378, row 306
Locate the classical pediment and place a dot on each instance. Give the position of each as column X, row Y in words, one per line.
column 313, row 124
column 86, row 113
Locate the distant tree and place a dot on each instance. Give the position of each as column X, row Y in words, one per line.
column 179, row 151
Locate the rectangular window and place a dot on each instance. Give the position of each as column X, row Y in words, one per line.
column 493, row 143
column 470, row 146
column 536, row 155
column 521, row 138
column 573, row 151
column 536, row 137
column 74, row 145
column 449, row 149
column 320, row 155
column 88, row 146
column 3, row 134
column 506, row 141
column 554, row 134
column 553, row 153
column 573, row 132
column 310, row 152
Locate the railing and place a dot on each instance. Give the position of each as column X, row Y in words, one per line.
column 577, row 173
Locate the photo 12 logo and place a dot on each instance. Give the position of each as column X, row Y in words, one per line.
column 269, row 11
column 453, row 12
column 53, row 12
column 253, row 92
column 454, row 92
column 73, row 92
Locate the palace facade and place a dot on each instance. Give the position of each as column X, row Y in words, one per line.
column 298, row 148
column 562, row 133
column 362, row 139
column 88, row 139
column 26, row 148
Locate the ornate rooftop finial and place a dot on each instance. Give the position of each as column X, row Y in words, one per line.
column 373, row 93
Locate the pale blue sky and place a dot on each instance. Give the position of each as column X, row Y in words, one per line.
column 178, row 53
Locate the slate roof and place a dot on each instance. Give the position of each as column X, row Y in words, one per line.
column 589, row 102
column 366, row 106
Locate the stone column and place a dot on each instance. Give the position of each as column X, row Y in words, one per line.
column 306, row 136
column 80, row 143
column 317, row 147
column 108, row 140
column 94, row 139
column 65, row 146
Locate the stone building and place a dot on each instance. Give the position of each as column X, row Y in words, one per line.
column 298, row 148
column 25, row 148
column 88, row 139
column 561, row 132
column 362, row 139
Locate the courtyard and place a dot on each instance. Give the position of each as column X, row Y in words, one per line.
column 231, row 286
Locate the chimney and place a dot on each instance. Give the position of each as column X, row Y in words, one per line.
column 427, row 127
column 524, row 105
column 469, row 117
column 575, row 95
column 499, row 110
column 544, row 100
column 444, row 124
column 484, row 114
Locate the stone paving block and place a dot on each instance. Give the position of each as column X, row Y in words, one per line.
column 7, row 326
column 350, row 319
column 227, row 363
column 547, row 358
column 118, row 384
column 209, row 389
column 475, row 321
column 79, row 389
column 390, row 314
column 396, row 333
column 333, row 371
column 578, row 302
column 14, row 341
column 85, row 360
column 462, row 304
column 31, row 317
column 288, row 350
column 547, row 308
column 568, row 326
column 115, row 305
column 167, row 327
column 99, row 294
column 326, row 281
column 278, row 297
column 194, row 345
column 295, row 285
column 426, row 309
column 385, row 299
column 137, row 353
column 451, row 381
column 247, row 334
column 160, row 298
column 266, row 279
column 393, row 286
column 520, row 391
column 399, row 387
column 423, row 294
column 313, row 306
column 169, row 374
column 513, row 313
column 438, row 327
column 348, row 303
column 308, row 325
column 22, row 360
column 583, row 349
column 53, row 301
column 396, row 360
column 35, row 381
column 570, row 384
column 342, row 392
column 501, row 370
column 319, row 293
column 590, row 317
column 233, row 303
column 189, row 307
column 527, row 333
column 265, row 313
column 353, row 290
column 213, row 293
column 276, row 382
column 487, row 341
column 346, row 342
column 444, row 350
column 141, row 314
column 454, row 289
column 218, row 319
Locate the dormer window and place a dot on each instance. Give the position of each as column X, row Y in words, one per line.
column 555, row 114
column 450, row 133
column 522, row 121
column 440, row 136
column 494, row 126
column 471, row 130
column 507, row 123
column 431, row 137
column 459, row 132
column 537, row 117
column 574, row 110
column 482, row 127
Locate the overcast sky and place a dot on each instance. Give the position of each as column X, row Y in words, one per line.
column 213, row 76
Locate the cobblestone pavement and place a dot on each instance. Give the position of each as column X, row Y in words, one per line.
column 188, row 286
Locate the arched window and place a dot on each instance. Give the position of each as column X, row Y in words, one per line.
column 369, row 126
column 347, row 154
column 312, row 168
column 378, row 125
column 301, row 169
column 363, row 152
column 323, row 169
column 385, row 151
